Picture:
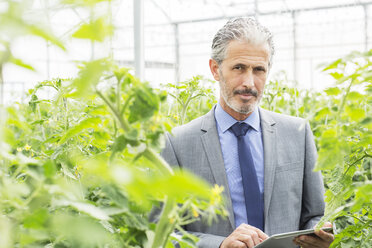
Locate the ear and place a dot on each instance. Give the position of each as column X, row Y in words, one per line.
column 213, row 65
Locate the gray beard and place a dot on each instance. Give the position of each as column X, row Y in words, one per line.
column 245, row 109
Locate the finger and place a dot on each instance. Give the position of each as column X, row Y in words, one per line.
column 327, row 237
column 311, row 241
column 327, row 224
column 305, row 245
column 296, row 241
column 255, row 237
column 250, row 235
column 238, row 244
column 260, row 233
column 247, row 239
column 232, row 242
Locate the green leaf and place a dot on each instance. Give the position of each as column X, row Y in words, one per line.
column 20, row 63
column 96, row 30
column 322, row 113
column 87, row 208
column 120, row 73
column 87, row 123
column 136, row 221
column 36, row 220
column 49, row 169
column 89, row 76
column 79, row 230
column 333, row 65
column 332, row 150
column 119, row 144
column 355, row 96
column 132, row 137
column 366, row 121
column 363, row 196
column 332, row 91
column 336, row 75
column 46, row 35
column 355, row 114
column 116, row 196
column 328, row 160
column 145, row 103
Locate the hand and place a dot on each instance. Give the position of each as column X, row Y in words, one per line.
column 244, row 236
column 321, row 240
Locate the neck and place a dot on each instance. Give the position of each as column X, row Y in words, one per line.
column 236, row 115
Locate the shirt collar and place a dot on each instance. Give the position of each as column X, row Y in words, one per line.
column 225, row 121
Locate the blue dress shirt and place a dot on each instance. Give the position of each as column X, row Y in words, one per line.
column 229, row 147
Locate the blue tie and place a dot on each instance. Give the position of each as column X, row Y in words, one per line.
column 253, row 199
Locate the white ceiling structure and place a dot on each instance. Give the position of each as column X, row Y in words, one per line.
column 177, row 35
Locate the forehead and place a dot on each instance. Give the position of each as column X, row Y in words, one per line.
column 246, row 51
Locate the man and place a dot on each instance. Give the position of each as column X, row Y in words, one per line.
column 265, row 162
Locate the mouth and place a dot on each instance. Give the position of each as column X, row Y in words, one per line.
column 246, row 94
column 246, row 97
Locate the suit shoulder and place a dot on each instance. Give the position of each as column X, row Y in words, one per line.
column 279, row 117
column 283, row 120
column 191, row 128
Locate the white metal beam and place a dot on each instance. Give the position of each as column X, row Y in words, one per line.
column 177, row 53
column 366, row 36
column 138, row 25
column 273, row 12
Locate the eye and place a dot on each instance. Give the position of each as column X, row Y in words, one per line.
column 238, row 67
column 260, row 69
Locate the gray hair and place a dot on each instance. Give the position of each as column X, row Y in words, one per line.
column 243, row 29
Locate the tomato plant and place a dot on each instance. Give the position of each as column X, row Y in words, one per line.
column 85, row 163
column 190, row 99
column 79, row 160
column 340, row 117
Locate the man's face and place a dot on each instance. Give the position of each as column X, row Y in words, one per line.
column 242, row 76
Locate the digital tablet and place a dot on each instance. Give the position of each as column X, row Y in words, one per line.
column 285, row 240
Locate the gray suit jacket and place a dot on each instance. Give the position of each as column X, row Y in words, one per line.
column 293, row 193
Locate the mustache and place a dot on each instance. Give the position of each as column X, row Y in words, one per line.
column 246, row 91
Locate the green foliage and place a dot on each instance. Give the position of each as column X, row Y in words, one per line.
column 96, row 30
column 80, row 168
column 340, row 117
column 345, row 150
column 192, row 98
column 75, row 167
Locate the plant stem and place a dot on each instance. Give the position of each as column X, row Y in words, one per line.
column 344, row 100
column 165, row 225
column 357, row 219
column 184, row 109
column 42, row 126
column 66, row 113
column 1, row 86
column 355, row 162
column 160, row 163
column 126, row 105
column 118, row 95
column 124, row 125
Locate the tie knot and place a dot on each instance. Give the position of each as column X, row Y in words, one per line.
column 240, row 128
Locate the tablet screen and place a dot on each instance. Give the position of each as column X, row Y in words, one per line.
column 285, row 240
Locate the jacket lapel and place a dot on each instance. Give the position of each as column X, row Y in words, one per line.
column 212, row 148
column 270, row 156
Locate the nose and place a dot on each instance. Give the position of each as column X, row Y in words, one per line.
column 248, row 79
